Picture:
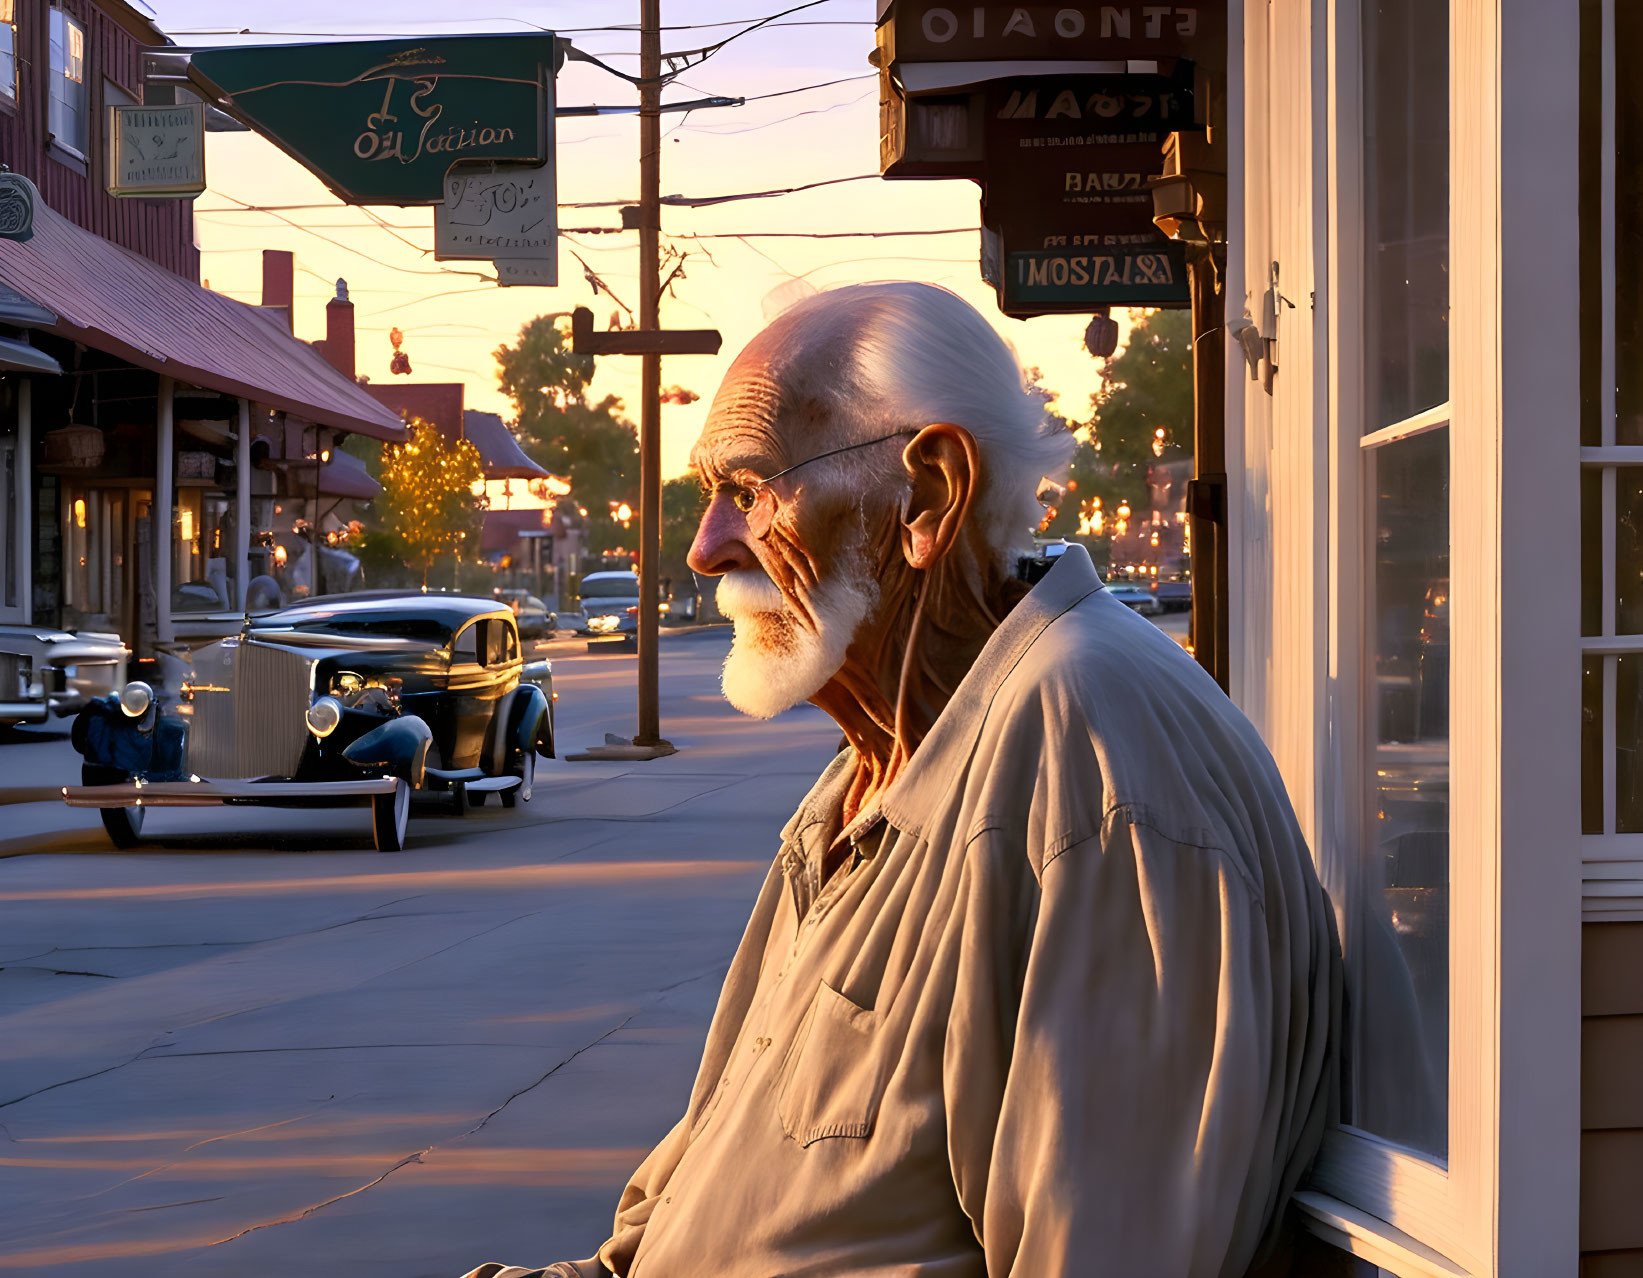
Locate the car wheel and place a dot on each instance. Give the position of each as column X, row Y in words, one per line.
column 124, row 826
column 521, row 793
column 477, row 798
column 389, row 815
column 460, row 798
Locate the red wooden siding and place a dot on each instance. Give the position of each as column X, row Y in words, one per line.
column 161, row 230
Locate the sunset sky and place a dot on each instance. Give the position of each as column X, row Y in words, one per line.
column 453, row 321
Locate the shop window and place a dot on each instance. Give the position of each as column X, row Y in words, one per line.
column 8, row 49
column 203, row 543
column 68, row 83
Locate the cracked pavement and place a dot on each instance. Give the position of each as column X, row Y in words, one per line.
column 255, row 1046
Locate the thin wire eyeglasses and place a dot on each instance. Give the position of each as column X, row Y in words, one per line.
column 756, row 497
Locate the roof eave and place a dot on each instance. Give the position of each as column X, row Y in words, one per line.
column 110, row 345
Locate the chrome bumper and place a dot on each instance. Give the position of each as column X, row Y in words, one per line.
column 206, row 794
column 24, row 711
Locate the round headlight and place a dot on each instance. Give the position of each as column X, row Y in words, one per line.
column 324, row 715
column 135, row 698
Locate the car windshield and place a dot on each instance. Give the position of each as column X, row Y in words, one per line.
column 610, row 588
column 421, row 629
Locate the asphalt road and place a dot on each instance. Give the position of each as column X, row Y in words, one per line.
column 256, row 1046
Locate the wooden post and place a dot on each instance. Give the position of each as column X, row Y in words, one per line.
column 160, row 521
column 24, row 514
column 650, row 407
column 242, row 506
column 1207, row 504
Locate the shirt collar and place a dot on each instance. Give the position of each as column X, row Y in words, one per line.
column 908, row 801
column 946, row 749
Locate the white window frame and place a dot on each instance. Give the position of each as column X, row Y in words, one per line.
column 78, row 147
column 1613, row 862
column 9, row 89
column 1505, row 1202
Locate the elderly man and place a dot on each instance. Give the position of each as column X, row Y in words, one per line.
column 1040, row 982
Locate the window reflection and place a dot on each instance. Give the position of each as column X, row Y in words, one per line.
column 1406, row 209
column 1399, row 938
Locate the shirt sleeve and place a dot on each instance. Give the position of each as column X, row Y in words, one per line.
column 1131, row 1100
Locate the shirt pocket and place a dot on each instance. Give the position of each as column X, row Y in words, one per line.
column 832, row 1080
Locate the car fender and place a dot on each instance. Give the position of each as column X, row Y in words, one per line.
column 521, row 724
column 151, row 745
column 399, row 746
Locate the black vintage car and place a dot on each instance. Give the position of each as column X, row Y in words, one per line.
column 351, row 699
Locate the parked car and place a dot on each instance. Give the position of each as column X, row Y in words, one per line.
column 348, row 699
column 1137, row 597
column 531, row 614
column 606, row 600
column 45, row 671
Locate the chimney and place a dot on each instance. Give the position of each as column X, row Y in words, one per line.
column 339, row 332
column 279, row 270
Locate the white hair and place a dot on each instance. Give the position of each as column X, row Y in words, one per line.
column 869, row 358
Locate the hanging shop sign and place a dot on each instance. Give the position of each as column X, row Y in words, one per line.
column 1075, row 279
column 921, row 31
column 502, row 213
column 1070, row 164
column 383, row 121
column 157, row 151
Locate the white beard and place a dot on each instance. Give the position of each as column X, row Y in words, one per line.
column 774, row 662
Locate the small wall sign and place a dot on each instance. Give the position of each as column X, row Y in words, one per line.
column 157, row 151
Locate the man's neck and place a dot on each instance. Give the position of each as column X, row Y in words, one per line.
column 907, row 661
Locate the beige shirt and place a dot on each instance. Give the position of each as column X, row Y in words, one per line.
column 1064, row 1011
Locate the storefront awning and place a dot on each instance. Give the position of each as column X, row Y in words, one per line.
column 499, row 451
column 118, row 302
column 20, row 357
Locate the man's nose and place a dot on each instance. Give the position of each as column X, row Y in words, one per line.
column 720, row 544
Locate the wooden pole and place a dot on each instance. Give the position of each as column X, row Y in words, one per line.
column 650, row 407
column 160, row 521
column 242, row 506
column 1207, row 508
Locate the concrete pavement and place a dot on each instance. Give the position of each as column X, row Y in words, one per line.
column 255, row 1046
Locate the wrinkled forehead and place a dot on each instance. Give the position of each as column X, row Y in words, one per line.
column 778, row 403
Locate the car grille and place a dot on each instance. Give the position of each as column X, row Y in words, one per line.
column 249, row 702
column 11, row 670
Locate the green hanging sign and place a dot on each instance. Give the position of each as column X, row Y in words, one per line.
column 383, row 121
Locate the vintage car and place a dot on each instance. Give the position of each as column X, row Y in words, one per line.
column 45, row 671
column 350, row 699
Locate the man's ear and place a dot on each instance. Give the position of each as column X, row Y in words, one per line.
column 944, row 467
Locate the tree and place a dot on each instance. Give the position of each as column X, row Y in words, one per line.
column 592, row 446
column 682, row 505
column 428, row 502
column 1146, row 388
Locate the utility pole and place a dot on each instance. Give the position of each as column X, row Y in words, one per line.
column 650, row 343
column 650, row 395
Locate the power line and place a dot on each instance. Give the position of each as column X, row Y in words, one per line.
column 348, row 248
column 712, row 132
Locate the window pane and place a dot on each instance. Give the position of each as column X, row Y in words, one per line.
column 1406, row 209
column 1591, row 745
column 1628, row 240
column 1628, row 552
column 1591, row 214
column 1628, row 745
column 8, row 52
column 1398, row 946
column 1591, row 551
